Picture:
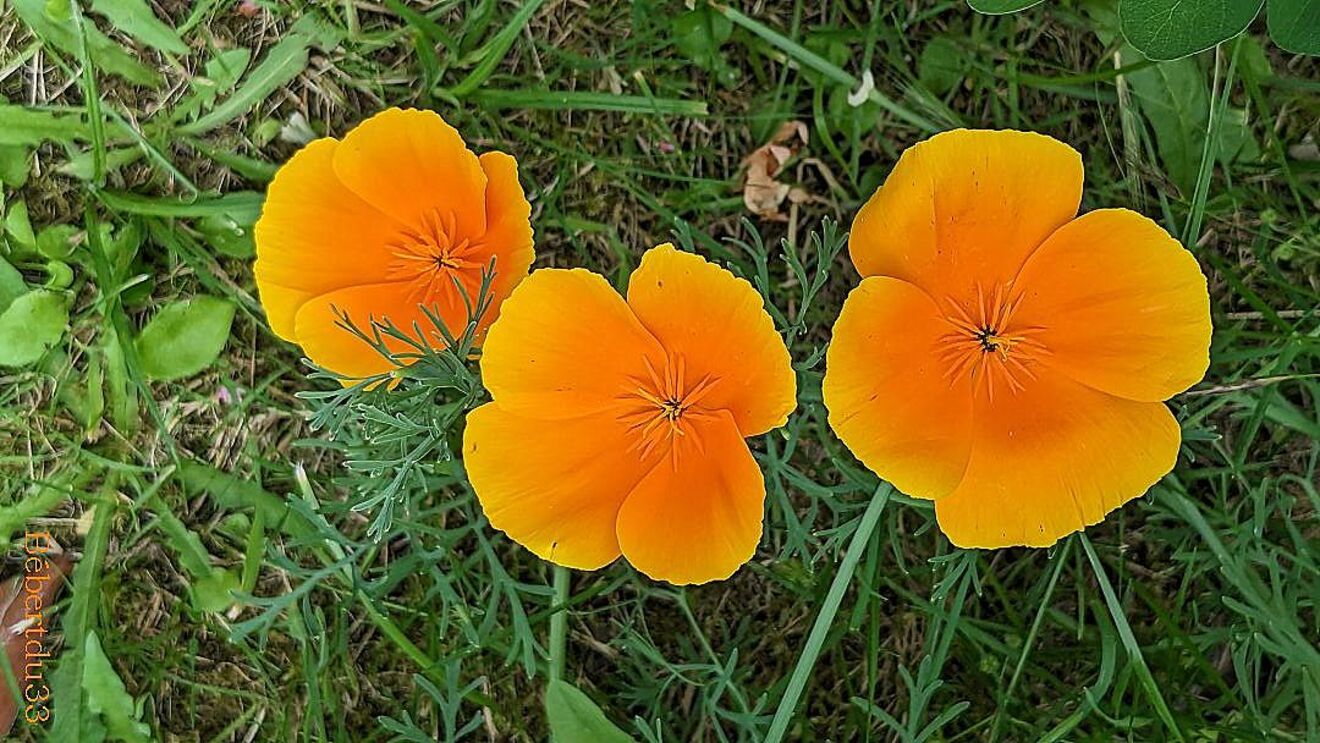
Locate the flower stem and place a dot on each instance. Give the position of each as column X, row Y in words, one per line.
column 821, row 628
column 559, row 624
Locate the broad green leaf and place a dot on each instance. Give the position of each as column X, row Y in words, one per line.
column 213, row 592
column 106, row 696
column 943, row 64
column 30, row 326
column 700, row 33
column 71, row 718
column 122, row 247
column 210, row 585
column 19, row 227
column 193, row 557
column 84, row 394
column 574, row 718
column 120, row 390
column 1172, row 29
column 1295, row 25
column 1236, row 141
column 236, row 494
column 81, row 166
column 223, row 71
column 38, row 501
column 134, row 17
column 285, row 61
column 12, row 285
column 14, row 165
column 1174, row 99
column 226, row 68
column 20, row 125
column 1000, row 7
column 62, row 34
column 227, row 236
column 244, row 207
column 58, row 241
column 1253, row 62
column 185, row 337
column 250, row 168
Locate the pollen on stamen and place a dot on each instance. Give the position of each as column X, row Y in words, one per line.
column 987, row 345
column 660, row 408
column 431, row 255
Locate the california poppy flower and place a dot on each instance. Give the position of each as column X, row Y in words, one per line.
column 1003, row 356
column 618, row 427
column 380, row 224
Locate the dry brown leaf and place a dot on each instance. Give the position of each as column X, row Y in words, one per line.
column 24, row 618
column 763, row 192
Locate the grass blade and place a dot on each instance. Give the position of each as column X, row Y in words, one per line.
column 496, row 49
column 1130, row 642
column 820, row 629
column 583, row 100
column 812, row 60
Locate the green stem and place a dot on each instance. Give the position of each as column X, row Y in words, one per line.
column 821, row 628
column 559, row 624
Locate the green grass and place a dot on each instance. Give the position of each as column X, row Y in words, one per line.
column 132, row 177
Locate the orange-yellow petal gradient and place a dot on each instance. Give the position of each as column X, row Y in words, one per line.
column 332, row 347
column 409, row 163
column 554, row 487
column 1053, row 459
column 889, row 396
column 1122, row 306
column 565, row 346
column 315, row 236
column 965, row 208
column 718, row 324
column 699, row 520
column 508, row 236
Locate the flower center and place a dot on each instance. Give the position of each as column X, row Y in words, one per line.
column 662, row 407
column 431, row 255
column 988, row 345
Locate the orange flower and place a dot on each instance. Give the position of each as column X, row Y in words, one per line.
column 1005, row 357
column 380, row 224
column 617, row 427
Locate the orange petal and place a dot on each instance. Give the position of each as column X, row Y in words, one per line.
column 413, row 166
column 508, row 236
column 331, row 347
column 965, row 208
column 889, row 396
column 281, row 305
column 555, row 487
column 717, row 324
column 566, row 345
column 1121, row 305
column 315, row 236
column 1053, row 459
column 696, row 517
